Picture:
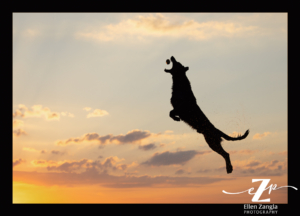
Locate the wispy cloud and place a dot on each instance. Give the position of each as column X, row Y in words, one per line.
column 159, row 25
column 36, row 111
column 19, row 132
column 112, row 163
column 30, row 149
column 93, row 176
column 87, row 108
column 245, row 151
column 259, row 136
column 67, row 114
column 39, row 111
column 253, row 168
column 17, row 123
column 97, row 113
column 57, row 152
column 133, row 136
column 259, row 168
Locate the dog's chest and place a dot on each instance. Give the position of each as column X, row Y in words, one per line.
column 180, row 98
column 182, row 94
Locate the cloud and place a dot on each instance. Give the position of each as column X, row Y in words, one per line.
column 17, row 123
column 56, row 152
column 253, row 164
column 158, row 25
column 147, row 147
column 204, row 170
column 97, row 113
column 38, row 111
column 171, row 158
column 93, row 176
column 30, row 149
column 259, row 171
column 273, row 162
column 245, row 151
column 259, row 168
column 179, row 172
column 18, row 162
column 18, row 113
column 259, row 136
column 68, row 166
column 131, row 137
column 252, row 168
column 81, row 165
column 283, row 153
column 67, row 114
column 19, row 132
column 87, row 108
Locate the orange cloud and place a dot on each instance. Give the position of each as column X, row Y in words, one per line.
column 259, row 136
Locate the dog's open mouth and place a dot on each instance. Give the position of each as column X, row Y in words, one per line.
column 168, row 62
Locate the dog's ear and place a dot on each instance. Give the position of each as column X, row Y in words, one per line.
column 186, row 69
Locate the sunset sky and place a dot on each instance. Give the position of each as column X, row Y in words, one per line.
column 91, row 105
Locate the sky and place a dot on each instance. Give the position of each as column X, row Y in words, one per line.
column 91, row 105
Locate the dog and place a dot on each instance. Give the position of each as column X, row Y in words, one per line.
column 187, row 110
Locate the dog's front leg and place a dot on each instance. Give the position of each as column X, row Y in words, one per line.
column 173, row 115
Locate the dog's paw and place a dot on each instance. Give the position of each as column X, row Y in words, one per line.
column 229, row 169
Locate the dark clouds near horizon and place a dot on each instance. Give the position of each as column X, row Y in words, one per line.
column 170, row 158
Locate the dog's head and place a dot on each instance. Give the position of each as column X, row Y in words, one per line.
column 177, row 68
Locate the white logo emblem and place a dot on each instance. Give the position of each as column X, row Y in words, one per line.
column 260, row 190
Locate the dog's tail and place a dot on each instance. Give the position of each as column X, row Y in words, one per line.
column 239, row 137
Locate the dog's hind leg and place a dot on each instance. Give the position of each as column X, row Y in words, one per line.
column 215, row 144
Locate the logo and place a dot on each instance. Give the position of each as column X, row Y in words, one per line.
column 260, row 190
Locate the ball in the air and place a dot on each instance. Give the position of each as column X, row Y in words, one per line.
column 168, row 61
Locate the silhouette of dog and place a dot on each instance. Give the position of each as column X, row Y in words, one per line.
column 187, row 110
